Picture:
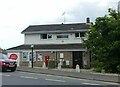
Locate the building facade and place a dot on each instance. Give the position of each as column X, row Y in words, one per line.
column 62, row 43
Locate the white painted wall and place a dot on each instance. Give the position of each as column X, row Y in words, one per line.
column 35, row 39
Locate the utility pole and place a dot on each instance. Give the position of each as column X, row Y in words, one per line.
column 32, row 46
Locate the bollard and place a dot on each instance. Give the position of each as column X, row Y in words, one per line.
column 29, row 65
column 44, row 65
column 59, row 66
column 77, row 68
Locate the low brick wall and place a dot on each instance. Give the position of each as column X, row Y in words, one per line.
column 36, row 64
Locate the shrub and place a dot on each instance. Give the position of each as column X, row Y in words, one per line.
column 98, row 69
column 51, row 64
column 118, row 68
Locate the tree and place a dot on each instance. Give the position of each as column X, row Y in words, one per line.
column 104, row 42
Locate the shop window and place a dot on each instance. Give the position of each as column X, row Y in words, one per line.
column 27, row 56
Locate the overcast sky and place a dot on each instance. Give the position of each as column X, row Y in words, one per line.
column 16, row 15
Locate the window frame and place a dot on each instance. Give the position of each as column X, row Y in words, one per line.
column 82, row 34
column 46, row 37
column 63, row 36
column 41, row 36
column 49, row 35
column 78, row 35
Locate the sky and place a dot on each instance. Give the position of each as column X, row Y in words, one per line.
column 17, row 15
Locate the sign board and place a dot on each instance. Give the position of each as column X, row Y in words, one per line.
column 13, row 56
column 67, row 62
column 40, row 57
column 61, row 55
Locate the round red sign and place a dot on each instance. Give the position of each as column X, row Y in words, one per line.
column 13, row 56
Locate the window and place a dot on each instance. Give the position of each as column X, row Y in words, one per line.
column 27, row 56
column 30, row 56
column 49, row 36
column 46, row 36
column 61, row 55
column 62, row 36
column 77, row 35
column 82, row 34
column 43, row 36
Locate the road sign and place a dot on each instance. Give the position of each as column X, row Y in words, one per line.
column 13, row 56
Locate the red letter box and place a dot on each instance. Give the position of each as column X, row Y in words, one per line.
column 46, row 60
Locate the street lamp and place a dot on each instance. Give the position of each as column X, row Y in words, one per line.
column 32, row 46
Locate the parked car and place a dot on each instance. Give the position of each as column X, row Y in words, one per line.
column 6, row 63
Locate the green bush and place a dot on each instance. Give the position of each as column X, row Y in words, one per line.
column 51, row 64
column 118, row 68
column 98, row 69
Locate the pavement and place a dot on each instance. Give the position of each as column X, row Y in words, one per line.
column 83, row 74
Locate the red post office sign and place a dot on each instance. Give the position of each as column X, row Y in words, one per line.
column 13, row 56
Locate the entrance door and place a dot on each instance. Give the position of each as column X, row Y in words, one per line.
column 77, row 59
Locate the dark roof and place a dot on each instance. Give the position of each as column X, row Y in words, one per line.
column 56, row 27
column 48, row 47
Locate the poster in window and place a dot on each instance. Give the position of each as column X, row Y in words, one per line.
column 30, row 56
column 67, row 62
column 40, row 57
column 25, row 56
column 34, row 56
column 61, row 55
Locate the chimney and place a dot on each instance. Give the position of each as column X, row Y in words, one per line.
column 87, row 20
column 119, row 6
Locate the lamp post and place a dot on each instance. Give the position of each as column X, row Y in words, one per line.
column 32, row 46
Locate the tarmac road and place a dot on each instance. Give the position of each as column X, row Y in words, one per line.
column 26, row 78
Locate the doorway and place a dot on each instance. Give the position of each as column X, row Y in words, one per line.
column 77, row 59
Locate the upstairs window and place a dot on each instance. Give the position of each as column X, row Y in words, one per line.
column 82, row 34
column 62, row 36
column 43, row 36
column 46, row 36
column 49, row 36
column 77, row 35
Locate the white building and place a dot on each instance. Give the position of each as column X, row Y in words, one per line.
column 55, row 42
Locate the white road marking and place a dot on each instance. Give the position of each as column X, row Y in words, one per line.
column 86, row 80
column 24, row 72
column 55, row 80
column 90, row 84
column 6, row 75
column 28, row 77
column 31, row 73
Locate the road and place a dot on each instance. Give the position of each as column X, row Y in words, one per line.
column 26, row 78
